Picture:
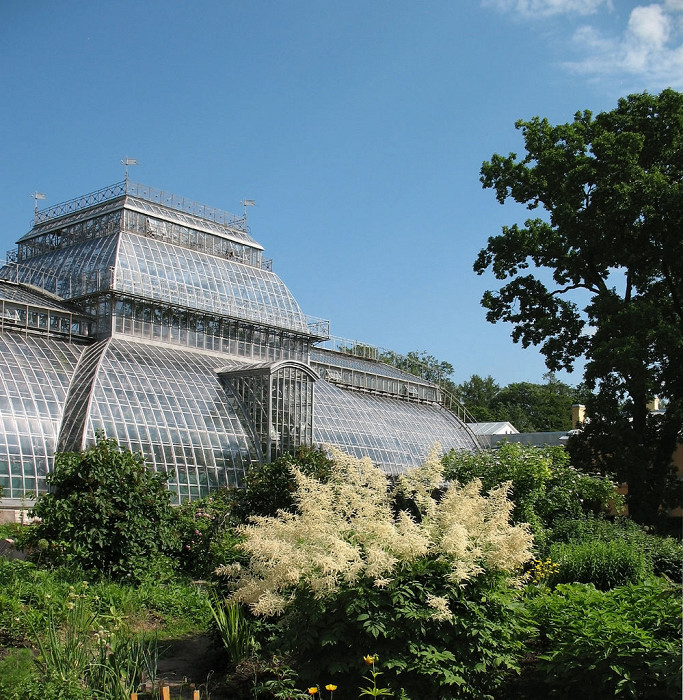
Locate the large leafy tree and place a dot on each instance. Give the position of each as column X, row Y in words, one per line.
column 528, row 406
column 600, row 275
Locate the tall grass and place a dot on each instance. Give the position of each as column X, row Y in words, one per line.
column 234, row 630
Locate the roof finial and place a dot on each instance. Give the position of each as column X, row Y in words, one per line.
column 36, row 196
column 247, row 203
column 126, row 162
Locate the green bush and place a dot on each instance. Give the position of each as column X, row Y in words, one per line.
column 664, row 554
column 206, row 534
column 270, row 487
column 595, row 645
column 544, row 487
column 467, row 653
column 604, row 564
column 105, row 513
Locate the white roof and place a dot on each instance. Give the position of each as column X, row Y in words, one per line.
column 496, row 428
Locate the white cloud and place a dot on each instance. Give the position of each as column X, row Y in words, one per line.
column 546, row 8
column 650, row 26
column 650, row 47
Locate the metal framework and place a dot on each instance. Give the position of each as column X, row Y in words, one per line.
column 157, row 320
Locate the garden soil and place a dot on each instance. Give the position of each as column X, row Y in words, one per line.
column 193, row 663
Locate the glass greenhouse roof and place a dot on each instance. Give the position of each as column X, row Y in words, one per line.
column 21, row 294
column 35, row 374
column 158, row 270
column 347, row 361
column 395, row 434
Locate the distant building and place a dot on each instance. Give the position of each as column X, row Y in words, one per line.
column 492, row 434
column 159, row 322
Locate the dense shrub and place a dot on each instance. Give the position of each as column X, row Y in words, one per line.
column 465, row 650
column 430, row 594
column 206, row 533
column 604, row 564
column 663, row 554
column 624, row 642
column 543, row 485
column 270, row 487
column 106, row 512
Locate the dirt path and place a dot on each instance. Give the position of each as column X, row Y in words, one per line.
column 189, row 663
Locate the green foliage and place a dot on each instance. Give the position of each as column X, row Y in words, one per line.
column 604, row 564
column 529, row 407
column 373, row 690
column 234, row 629
column 269, row 487
column 206, row 533
column 29, row 595
column 476, row 394
column 105, row 513
column 597, row 644
column 544, row 487
column 17, row 670
column 278, row 680
column 606, row 257
column 466, row 653
column 77, row 655
column 664, row 555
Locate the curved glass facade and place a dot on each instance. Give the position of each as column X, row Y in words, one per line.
column 180, row 342
column 394, row 433
column 35, row 374
column 170, row 405
column 157, row 270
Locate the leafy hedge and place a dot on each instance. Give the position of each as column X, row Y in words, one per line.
column 596, row 645
column 105, row 513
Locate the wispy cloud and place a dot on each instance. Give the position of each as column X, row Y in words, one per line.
column 650, row 47
column 546, row 8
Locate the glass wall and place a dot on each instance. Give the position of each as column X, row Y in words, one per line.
column 156, row 270
column 193, row 238
column 77, row 231
column 176, row 325
column 170, row 405
column 277, row 402
column 81, row 269
column 394, row 433
column 34, row 378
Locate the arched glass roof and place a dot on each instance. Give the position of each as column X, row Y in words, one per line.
column 395, row 434
column 169, row 404
column 159, row 270
column 35, row 373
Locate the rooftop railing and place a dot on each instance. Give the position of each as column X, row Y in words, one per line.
column 145, row 192
column 373, row 352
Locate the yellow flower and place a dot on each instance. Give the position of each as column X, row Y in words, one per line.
column 370, row 659
column 313, row 690
column 330, row 687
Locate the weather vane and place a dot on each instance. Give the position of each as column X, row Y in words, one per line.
column 247, row 203
column 126, row 162
column 36, row 196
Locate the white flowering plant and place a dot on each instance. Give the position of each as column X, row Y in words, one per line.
column 427, row 587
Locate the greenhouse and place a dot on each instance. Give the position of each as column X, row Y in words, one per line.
column 158, row 321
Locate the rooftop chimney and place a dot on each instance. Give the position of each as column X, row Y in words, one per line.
column 578, row 415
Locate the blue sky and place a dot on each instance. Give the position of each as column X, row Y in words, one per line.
column 358, row 127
